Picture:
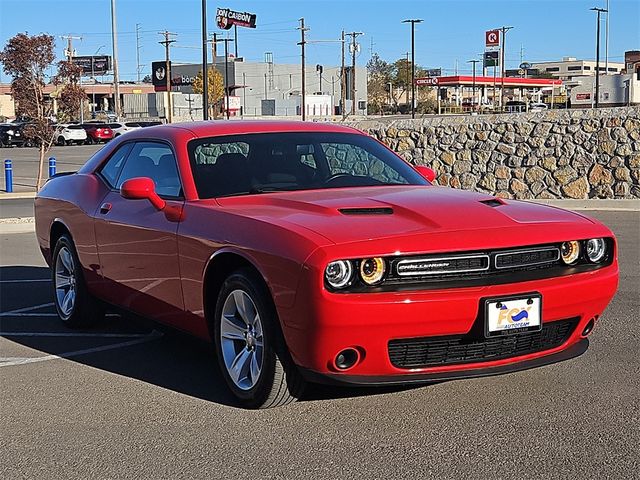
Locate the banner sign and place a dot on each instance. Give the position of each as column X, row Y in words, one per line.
column 434, row 72
column 159, row 77
column 93, row 65
column 491, row 59
column 492, row 38
column 226, row 19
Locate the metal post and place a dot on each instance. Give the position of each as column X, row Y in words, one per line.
column 205, row 67
column 52, row 166
column 8, row 176
column 413, row 65
column 114, row 42
column 504, row 31
column 302, row 43
column 598, row 11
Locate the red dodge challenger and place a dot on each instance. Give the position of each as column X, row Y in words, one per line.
column 310, row 252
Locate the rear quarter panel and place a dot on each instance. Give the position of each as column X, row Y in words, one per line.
column 72, row 201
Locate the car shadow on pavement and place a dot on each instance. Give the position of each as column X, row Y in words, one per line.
column 123, row 344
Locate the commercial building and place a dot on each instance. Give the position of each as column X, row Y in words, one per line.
column 271, row 89
column 571, row 67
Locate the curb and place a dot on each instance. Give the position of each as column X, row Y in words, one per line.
column 15, row 195
column 17, row 225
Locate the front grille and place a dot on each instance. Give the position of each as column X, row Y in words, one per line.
column 442, row 265
column 474, row 347
column 526, row 258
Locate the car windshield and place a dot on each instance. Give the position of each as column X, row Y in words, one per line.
column 270, row 162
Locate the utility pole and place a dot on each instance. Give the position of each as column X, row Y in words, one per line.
column 606, row 42
column 473, row 102
column 504, row 31
column 343, row 84
column 227, row 90
column 70, row 55
column 413, row 64
column 167, row 68
column 302, row 43
column 235, row 37
column 114, row 41
column 354, row 48
column 138, row 68
column 205, row 67
column 598, row 11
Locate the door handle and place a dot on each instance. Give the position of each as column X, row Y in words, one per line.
column 105, row 208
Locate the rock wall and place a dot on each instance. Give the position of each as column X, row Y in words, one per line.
column 554, row 154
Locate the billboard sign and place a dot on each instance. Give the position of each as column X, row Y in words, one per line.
column 427, row 81
column 225, row 19
column 92, row 64
column 492, row 38
column 434, row 72
column 491, row 59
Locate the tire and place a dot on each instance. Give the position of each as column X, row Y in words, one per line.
column 265, row 375
column 74, row 304
column 89, row 141
column 61, row 141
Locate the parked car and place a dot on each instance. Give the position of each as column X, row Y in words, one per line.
column 150, row 123
column 97, row 132
column 538, row 107
column 69, row 133
column 122, row 127
column 110, row 115
column 310, row 252
column 11, row 135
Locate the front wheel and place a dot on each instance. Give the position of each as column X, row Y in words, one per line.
column 251, row 351
column 74, row 304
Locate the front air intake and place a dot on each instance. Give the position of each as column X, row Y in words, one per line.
column 366, row 211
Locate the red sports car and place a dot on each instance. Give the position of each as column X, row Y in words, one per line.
column 312, row 252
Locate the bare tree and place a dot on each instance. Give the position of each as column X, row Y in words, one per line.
column 25, row 58
column 378, row 83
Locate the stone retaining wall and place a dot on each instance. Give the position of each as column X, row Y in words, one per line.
column 555, row 154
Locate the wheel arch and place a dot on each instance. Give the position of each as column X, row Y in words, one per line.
column 219, row 266
column 57, row 229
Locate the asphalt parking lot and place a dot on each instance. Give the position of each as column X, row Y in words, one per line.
column 128, row 401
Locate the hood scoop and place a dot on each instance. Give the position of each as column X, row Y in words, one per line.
column 366, row 211
column 493, row 202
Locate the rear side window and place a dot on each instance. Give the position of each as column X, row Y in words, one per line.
column 155, row 161
column 111, row 170
column 208, row 153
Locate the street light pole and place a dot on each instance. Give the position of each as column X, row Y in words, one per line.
column 598, row 12
column 205, row 67
column 413, row 64
column 504, row 31
column 473, row 102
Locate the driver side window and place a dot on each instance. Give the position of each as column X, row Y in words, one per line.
column 156, row 161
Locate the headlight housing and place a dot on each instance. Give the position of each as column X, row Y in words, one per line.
column 596, row 249
column 570, row 252
column 339, row 273
column 372, row 270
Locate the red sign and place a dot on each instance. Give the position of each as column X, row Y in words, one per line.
column 583, row 96
column 427, row 81
column 492, row 38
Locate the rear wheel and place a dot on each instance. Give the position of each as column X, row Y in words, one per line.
column 74, row 304
column 251, row 351
column 61, row 141
column 89, row 140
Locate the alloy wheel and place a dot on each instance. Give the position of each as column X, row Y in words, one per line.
column 241, row 339
column 65, row 282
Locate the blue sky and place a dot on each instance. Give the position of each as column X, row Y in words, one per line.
column 452, row 29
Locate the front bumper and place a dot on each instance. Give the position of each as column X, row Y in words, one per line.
column 322, row 324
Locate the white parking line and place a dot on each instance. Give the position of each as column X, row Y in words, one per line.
column 26, row 280
column 26, row 309
column 73, row 334
column 10, row 362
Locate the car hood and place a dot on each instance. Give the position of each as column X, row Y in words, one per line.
column 347, row 215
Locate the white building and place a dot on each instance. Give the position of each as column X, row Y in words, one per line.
column 614, row 90
column 571, row 67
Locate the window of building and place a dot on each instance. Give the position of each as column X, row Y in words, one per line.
column 574, row 68
column 613, row 69
column 553, row 69
column 586, row 67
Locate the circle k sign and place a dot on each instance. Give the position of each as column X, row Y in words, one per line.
column 492, row 38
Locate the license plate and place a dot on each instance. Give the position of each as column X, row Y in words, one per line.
column 513, row 314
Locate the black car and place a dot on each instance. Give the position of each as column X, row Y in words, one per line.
column 11, row 135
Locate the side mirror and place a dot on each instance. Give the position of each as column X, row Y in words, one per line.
column 142, row 188
column 426, row 172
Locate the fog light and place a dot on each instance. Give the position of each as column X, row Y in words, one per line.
column 589, row 327
column 570, row 252
column 347, row 358
column 596, row 249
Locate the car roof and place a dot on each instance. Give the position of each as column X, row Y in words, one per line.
column 233, row 127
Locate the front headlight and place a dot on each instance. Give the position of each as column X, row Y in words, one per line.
column 338, row 274
column 570, row 252
column 10, row 132
column 372, row 270
column 596, row 249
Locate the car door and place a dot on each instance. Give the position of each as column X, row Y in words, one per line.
column 137, row 244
